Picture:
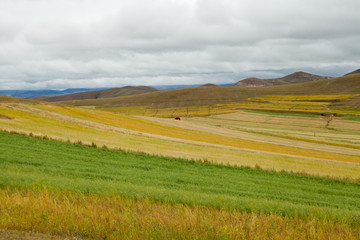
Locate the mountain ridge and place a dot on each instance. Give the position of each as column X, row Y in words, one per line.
column 296, row 77
column 212, row 95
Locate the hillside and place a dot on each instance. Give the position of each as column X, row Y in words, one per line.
column 251, row 82
column 8, row 99
column 297, row 77
column 106, row 93
column 209, row 85
column 354, row 72
column 213, row 95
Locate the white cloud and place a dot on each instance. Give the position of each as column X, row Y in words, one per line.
column 108, row 43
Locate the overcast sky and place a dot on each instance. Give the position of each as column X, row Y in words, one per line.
column 61, row 44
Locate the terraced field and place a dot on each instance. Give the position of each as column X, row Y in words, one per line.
column 73, row 190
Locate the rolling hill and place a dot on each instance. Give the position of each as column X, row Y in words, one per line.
column 106, row 93
column 349, row 84
column 209, row 85
column 297, row 77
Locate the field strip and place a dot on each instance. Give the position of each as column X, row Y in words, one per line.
column 309, row 124
column 344, row 132
column 234, row 132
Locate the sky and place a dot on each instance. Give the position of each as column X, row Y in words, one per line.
column 52, row 44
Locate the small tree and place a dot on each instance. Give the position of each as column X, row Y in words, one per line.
column 328, row 117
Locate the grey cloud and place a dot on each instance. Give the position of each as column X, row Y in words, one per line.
column 105, row 43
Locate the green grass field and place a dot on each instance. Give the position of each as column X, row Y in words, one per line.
column 142, row 181
column 30, row 162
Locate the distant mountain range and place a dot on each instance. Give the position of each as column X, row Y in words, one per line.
column 209, row 94
column 297, row 77
column 106, row 93
column 95, row 93
column 213, row 95
column 52, row 93
column 44, row 92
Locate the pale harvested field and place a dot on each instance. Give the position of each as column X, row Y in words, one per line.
column 242, row 130
column 237, row 139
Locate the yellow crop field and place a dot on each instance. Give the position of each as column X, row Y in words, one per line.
column 154, row 128
column 190, row 111
column 112, row 217
column 305, row 97
column 297, row 103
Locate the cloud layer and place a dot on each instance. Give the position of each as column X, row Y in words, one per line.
column 108, row 43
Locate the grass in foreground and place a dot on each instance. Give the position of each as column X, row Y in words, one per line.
column 29, row 162
column 112, row 217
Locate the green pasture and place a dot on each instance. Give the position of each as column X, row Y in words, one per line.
column 32, row 163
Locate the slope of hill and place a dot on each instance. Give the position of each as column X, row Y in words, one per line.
column 209, row 85
column 213, row 95
column 297, row 77
column 251, row 82
column 354, row 72
column 106, row 93
column 8, row 99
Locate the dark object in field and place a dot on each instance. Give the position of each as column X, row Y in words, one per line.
column 328, row 118
column 177, row 118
